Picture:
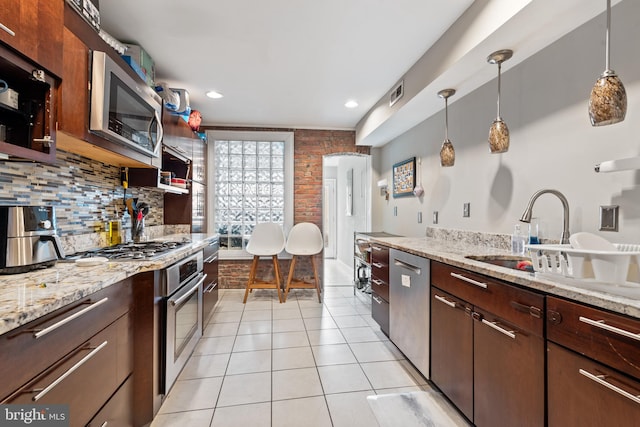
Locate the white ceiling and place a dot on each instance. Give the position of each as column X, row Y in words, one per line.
column 282, row 63
column 294, row 63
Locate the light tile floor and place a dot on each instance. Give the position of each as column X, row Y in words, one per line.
column 299, row 363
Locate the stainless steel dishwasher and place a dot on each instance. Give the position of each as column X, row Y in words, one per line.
column 409, row 287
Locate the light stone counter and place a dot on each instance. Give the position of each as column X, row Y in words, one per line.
column 28, row 296
column 621, row 299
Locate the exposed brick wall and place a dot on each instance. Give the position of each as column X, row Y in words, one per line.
column 309, row 148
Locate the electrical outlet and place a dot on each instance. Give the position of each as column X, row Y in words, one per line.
column 435, row 217
column 395, row 211
column 419, row 217
column 609, row 218
column 466, row 210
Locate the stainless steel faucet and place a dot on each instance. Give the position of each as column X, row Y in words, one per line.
column 526, row 215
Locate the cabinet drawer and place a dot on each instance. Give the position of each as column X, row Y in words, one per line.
column 582, row 392
column 521, row 307
column 380, row 262
column 118, row 411
column 380, row 287
column 34, row 347
column 84, row 379
column 609, row 338
column 380, row 312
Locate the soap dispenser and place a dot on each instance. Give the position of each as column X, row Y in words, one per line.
column 518, row 240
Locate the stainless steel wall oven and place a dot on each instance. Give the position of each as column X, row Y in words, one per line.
column 182, row 315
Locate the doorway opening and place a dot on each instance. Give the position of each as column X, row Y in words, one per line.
column 346, row 209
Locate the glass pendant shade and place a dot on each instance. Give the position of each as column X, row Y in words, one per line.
column 447, row 153
column 499, row 136
column 499, row 132
column 608, row 100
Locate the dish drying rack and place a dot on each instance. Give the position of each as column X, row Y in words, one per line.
column 562, row 260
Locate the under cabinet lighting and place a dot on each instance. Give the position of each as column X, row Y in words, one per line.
column 351, row 104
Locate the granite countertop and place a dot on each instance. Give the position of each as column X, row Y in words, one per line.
column 28, row 296
column 621, row 299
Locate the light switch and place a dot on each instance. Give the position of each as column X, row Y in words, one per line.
column 435, row 217
column 609, row 218
column 395, row 211
column 419, row 217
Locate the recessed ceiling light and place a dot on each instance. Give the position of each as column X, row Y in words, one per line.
column 213, row 94
column 351, row 104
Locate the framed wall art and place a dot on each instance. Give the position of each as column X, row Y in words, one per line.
column 404, row 177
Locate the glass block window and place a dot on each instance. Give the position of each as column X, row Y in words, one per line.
column 251, row 178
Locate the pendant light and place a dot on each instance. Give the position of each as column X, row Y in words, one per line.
column 447, row 153
column 608, row 100
column 499, row 132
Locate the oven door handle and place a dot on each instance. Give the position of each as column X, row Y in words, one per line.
column 189, row 293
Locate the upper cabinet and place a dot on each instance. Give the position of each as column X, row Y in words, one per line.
column 30, row 67
column 27, row 109
column 34, row 28
column 79, row 39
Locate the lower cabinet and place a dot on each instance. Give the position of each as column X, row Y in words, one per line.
column 452, row 349
column 117, row 411
column 210, row 285
column 593, row 366
column 98, row 334
column 487, row 347
column 586, row 393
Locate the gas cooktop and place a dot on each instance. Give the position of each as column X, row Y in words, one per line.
column 132, row 251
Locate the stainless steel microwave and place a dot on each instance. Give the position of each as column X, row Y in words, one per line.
column 123, row 110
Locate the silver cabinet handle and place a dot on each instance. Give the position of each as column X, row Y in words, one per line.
column 211, row 287
column 45, row 331
column 494, row 325
column 7, row 29
column 444, row 300
column 376, row 248
column 602, row 325
column 600, row 379
column 407, row 266
column 62, row 377
column 466, row 279
column 377, row 265
column 377, row 282
column 376, row 299
column 188, row 294
column 211, row 259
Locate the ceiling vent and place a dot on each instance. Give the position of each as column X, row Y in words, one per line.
column 396, row 93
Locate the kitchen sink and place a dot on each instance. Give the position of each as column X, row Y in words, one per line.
column 514, row 262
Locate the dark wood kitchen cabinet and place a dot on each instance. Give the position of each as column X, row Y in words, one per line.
column 502, row 327
column 79, row 38
column 37, row 27
column 28, row 123
column 210, row 285
column 380, row 286
column 80, row 355
column 452, row 349
column 593, row 366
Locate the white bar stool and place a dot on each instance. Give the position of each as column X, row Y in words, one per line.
column 305, row 239
column 267, row 239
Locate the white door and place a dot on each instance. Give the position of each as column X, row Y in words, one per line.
column 329, row 222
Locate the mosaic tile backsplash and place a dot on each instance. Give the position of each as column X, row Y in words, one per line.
column 84, row 192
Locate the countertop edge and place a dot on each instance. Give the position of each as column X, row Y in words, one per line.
column 456, row 255
column 29, row 296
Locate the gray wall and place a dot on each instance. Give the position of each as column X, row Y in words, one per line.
column 553, row 145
